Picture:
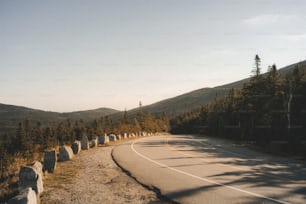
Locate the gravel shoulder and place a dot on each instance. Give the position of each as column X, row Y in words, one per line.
column 93, row 177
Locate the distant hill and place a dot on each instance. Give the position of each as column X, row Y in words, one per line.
column 11, row 115
column 89, row 114
column 194, row 99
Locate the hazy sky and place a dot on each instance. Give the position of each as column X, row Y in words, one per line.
column 66, row 55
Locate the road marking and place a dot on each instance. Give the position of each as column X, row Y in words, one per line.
column 228, row 165
column 204, row 179
column 205, row 160
column 216, row 147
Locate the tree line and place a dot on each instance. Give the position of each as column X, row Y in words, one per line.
column 32, row 138
column 269, row 107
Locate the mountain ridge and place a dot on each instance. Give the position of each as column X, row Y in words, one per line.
column 188, row 101
column 11, row 114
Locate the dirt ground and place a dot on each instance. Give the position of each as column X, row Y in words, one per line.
column 93, row 177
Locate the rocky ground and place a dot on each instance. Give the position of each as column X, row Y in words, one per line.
column 93, row 177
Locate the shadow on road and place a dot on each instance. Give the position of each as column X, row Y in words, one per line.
column 261, row 170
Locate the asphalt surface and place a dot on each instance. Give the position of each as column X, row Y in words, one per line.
column 188, row 169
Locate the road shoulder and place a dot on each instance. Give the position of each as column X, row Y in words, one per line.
column 93, row 177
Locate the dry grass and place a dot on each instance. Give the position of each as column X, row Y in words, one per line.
column 9, row 182
column 64, row 174
column 8, row 189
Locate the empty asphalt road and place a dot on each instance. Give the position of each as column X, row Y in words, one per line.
column 191, row 169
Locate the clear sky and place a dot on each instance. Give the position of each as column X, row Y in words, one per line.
column 67, row 55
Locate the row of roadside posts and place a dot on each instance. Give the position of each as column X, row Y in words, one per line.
column 31, row 176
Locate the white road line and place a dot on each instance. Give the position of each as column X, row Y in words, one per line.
column 204, row 179
column 216, row 147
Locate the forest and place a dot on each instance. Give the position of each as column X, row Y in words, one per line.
column 270, row 108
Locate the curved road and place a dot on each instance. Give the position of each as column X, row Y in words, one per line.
column 188, row 169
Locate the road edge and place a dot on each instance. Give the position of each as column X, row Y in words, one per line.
column 151, row 188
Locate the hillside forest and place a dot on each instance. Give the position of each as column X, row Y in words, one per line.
column 269, row 109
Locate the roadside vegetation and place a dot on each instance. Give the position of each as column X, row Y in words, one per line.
column 269, row 109
column 31, row 140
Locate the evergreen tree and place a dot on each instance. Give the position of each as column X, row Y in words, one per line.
column 70, row 134
column 165, row 126
column 78, row 130
column 149, row 124
column 61, row 134
column 257, row 69
column 20, row 143
column 141, row 116
column 137, row 126
column 28, row 133
column 97, row 130
column 20, row 139
column 5, row 158
column 124, row 119
column 50, row 139
column 107, row 125
column 37, row 134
